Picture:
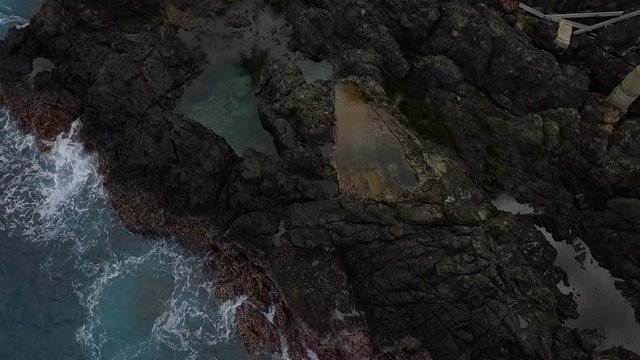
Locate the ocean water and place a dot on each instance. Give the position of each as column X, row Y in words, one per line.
column 370, row 160
column 74, row 284
column 16, row 13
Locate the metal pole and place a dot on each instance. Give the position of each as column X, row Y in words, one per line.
column 608, row 22
column 588, row 15
column 537, row 13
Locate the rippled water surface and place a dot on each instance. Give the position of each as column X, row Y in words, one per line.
column 16, row 13
column 74, row 284
column 370, row 160
column 223, row 100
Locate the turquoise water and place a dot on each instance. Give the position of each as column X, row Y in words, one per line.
column 223, row 100
column 16, row 12
column 74, row 284
column 223, row 97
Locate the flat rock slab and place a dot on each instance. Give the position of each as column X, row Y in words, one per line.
column 371, row 162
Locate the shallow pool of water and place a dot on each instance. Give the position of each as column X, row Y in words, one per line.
column 601, row 305
column 74, row 284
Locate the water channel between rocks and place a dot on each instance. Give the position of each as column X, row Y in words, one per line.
column 601, row 305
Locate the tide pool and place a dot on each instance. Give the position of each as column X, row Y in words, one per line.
column 222, row 97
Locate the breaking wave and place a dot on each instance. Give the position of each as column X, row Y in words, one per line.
column 7, row 16
column 138, row 298
column 8, row 19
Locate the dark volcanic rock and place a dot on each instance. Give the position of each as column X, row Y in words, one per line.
column 503, row 63
column 356, row 33
column 475, row 106
column 392, row 258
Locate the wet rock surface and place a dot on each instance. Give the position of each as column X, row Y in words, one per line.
column 478, row 106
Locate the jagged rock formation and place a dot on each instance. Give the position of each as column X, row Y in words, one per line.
column 477, row 102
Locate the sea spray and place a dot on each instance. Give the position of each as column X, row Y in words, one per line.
column 271, row 314
column 600, row 304
column 311, row 354
column 108, row 294
column 12, row 19
column 46, row 195
column 73, row 171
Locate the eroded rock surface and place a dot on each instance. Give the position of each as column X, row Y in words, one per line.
column 475, row 105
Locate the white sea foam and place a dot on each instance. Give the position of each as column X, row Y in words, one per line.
column 72, row 171
column 57, row 201
column 7, row 16
column 92, row 335
column 507, row 203
column 90, row 297
column 184, row 322
column 12, row 19
column 228, row 313
column 312, row 355
column 61, row 185
column 17, row 163
column 271, row 314
column 188, row 318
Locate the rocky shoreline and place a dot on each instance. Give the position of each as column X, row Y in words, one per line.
column 480, row 104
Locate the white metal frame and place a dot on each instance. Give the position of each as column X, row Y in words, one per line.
column 581, row 28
